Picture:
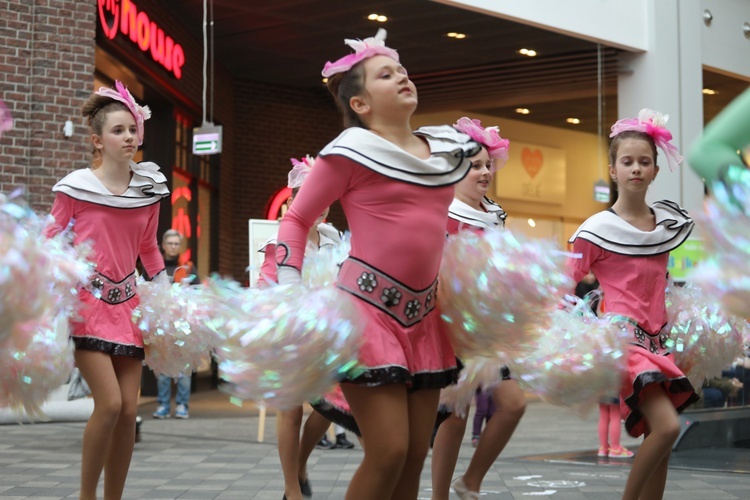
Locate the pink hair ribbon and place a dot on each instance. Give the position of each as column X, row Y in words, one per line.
column 122, row 94
column 363, row 49
column 489, row 137
column 299, row 171
column 654, row 124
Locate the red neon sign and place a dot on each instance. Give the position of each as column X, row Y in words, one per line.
column 143, row 32
column 277, row 201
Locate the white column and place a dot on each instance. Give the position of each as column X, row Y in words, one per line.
column 668, row 78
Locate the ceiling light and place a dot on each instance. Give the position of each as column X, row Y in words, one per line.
column 453, row 34
column 708, row 91
column 574, row 121
column 377, row 17
column 527, row 52
column 523, row 111
column 532, row 222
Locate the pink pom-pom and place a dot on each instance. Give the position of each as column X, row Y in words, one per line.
column 493, row 288
column 725, row 273
column 286, row 345
column 705, row 339
column 36, row 359
column 578, row 360
column 170, row 317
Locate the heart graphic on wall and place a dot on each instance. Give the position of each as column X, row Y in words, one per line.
column 532, row 161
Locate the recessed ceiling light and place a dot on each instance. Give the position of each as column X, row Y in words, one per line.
column 527, row 52
column 523, row 111
column 453, row 34
column 708, row 91
column 531, row 222
column 574, row 121
column 377, row 17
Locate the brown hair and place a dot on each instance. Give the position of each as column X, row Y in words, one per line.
column 344, row 86
column 629, row 134
column 95, row 110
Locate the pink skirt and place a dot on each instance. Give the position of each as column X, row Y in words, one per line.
column 335, row 408
column 646, row 368
column 404, row 341
column 107, row 327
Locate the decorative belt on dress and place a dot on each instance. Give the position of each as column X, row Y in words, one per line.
column 110, row 292
column 405, row 305
column 657, row 343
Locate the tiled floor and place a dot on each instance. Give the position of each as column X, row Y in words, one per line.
column 215, row 454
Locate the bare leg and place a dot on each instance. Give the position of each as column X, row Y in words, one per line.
column 97, row 368
column 382, row 414
column 315, row 428
column 423, row 407
column 654, row 489
column 646, row 475
column 288, row 439
column 511, row 405
column 128, row 371
column 445, row 451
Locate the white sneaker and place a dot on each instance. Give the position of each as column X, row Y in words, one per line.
column 181, row 412
column 161, row 412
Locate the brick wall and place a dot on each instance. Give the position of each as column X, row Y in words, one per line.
column 46, row 66
column 272, row 124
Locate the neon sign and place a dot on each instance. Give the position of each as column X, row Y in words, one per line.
column 143, row 32
column 277, row 206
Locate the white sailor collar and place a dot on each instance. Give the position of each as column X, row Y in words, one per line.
column 448, row 162
column 493, row 218
column 608, row 231
column 147, row 186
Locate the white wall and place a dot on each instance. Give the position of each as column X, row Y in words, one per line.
column 617, row 23
column 724, row 47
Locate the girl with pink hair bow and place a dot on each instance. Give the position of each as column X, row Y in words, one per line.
column 395, row 187
column 627, row 248
column 472, row 210
column 115, row 205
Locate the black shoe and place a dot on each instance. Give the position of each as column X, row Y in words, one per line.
column 325, row 444
column 342, row 442
column 304, row 486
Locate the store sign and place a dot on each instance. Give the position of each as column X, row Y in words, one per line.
column 532, row 173
column 123, row 16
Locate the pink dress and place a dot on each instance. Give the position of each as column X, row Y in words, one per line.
column 121, row 228
column 397, row 206
column 631, row 267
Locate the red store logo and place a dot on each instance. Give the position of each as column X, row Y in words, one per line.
column 123, row 16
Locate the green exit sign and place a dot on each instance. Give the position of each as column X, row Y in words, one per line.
column 207, row 140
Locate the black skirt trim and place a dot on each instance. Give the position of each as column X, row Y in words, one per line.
column 399, row 375
column 111, row 348
column 675, row 386
column 336, row 415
